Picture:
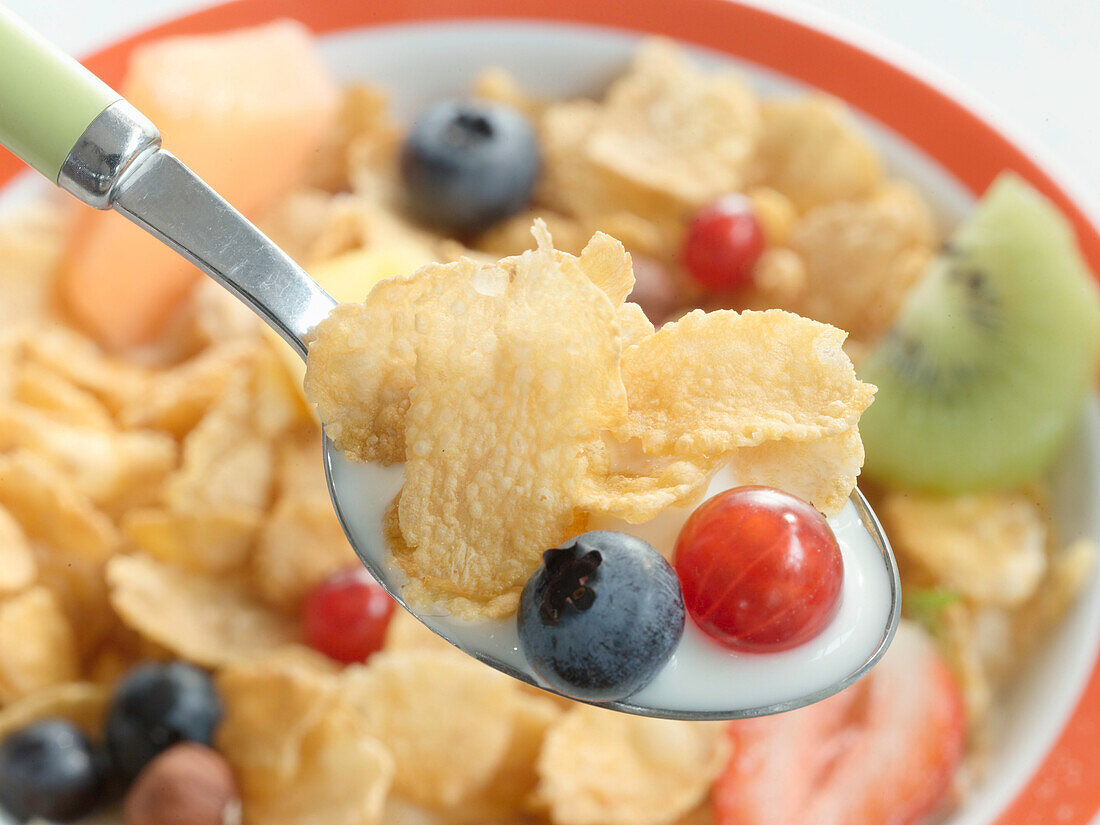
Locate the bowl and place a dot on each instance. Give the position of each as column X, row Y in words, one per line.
column 1043, row 766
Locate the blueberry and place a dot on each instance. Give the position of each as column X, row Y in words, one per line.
column 156, row 706
column 49, row 770
column 600, row 616
column 467, row 164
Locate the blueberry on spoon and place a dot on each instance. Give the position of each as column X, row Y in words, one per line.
column 601, row 616
column 468, row 164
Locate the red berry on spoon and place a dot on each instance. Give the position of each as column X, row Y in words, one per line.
column 760, row 569
column 723, row 241
column 346, row 616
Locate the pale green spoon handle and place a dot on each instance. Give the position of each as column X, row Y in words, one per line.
column 47, row 99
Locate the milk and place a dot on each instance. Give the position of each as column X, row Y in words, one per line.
column 702, row 679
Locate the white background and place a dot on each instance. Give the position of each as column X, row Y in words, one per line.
column 1036, row 63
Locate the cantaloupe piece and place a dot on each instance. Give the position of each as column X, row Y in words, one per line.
column 245, row 110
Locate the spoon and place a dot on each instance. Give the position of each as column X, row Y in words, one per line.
column 79, row 133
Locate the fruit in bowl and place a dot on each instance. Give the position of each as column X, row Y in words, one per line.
column 200, row 528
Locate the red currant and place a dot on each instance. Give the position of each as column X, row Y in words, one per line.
column 760, row 569
column 723, row 241
column 346, row 616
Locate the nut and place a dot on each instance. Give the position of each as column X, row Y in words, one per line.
column 188, row 784
column 655, row 289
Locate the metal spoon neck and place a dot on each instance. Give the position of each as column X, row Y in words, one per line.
column 118, row 163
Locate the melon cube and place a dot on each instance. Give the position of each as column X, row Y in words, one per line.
column 246, row 110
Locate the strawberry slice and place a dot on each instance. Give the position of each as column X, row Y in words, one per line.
column 881, row 752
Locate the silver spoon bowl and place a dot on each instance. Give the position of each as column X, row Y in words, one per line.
column 702, row 681
column 118, row 164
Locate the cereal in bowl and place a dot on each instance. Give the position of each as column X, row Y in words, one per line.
column 164, row 515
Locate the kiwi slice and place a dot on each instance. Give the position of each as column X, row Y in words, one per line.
column 984, row 372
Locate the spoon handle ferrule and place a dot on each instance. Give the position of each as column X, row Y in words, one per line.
column 165, row 198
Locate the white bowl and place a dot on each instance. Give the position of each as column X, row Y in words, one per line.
column 924, row 135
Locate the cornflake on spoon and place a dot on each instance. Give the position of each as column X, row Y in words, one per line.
column 508, row 393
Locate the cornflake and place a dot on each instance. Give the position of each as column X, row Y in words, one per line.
column 570, row 184
column 718, row 381
column 37, row 648
column 778, row 279
column 82, row 703
column 225, row 462
column 359, row 222
column 298, row 656
column 501, row 86
column 17, row 565
column 365, row 136
column 342, row 779
column 959, row 640
column 212, row 542
column 118, row 653
column 607, row 264
column 591, row 195
column 506, row 390
column 206, row 620
column 512, row 236
column 821, row 471
column 429, row 707
column 32, row 242
column 775, row 212
column 515, row 781
column 399, row 811
column 634, row 324
column 294, row 223
column 600, row 767
column 255, row 693
column 360, row 369
column 317, row 764
column 218, row 318
column 51, row 509
column 44, row 390
column 299, row 470
column 179, row 397
column 675, row 129
column 68, row 354
column 513, row 426
column 302, row 516
column 701, row 815
column 406, row 632
column 502, row 391
column 282, row 571
column 78, row 586
column 278, row 404
column 625, row 483
column 107, row 465
column 989, row 547
column 1067, row 576
column 666, row 138
column 811, row 152
column 861, row 258
column 770, row 394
